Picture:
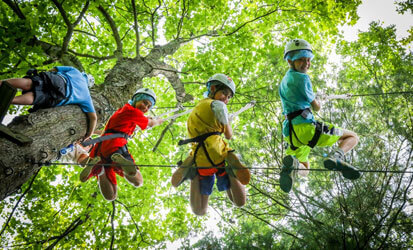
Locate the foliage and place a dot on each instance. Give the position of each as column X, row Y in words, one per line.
column 328, row 211
column 245, row 40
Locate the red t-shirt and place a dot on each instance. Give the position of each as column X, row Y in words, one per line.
column 123, row 120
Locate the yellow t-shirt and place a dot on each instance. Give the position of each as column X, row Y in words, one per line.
column 202, row 120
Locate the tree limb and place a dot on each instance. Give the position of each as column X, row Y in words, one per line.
column 15, row 8
column 112, row 223
column 162, row 135
column 134, row 222
column 135, row 25
column 109, row 19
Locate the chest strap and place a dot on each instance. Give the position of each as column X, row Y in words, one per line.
column 200, row 140
column 115, row 134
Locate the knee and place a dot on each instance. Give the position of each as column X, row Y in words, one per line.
column 199, row 211
column 239, row 203
column 137, row 183
column 109, row 197
column 356, row 138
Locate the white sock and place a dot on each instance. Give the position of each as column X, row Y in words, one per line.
column 302, row 170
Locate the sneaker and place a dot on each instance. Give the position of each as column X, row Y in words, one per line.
column 184, row 172
column 286, row 178
column 337, row 163
column 127, row 166
column 84, row 175
column 236, row 169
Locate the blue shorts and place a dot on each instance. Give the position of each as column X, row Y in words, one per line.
column 207, row 183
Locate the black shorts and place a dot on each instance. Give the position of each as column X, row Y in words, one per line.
column 49, row 89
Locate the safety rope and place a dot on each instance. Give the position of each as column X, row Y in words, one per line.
column 342, row 96
column 200, row 167
column 171, row 111
column 248, row 105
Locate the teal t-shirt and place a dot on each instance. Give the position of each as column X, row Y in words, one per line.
column 77, row 90
column 296, row 92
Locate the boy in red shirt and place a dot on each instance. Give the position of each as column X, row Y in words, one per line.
column 114, row 152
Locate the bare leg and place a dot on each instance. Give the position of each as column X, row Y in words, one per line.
column 20, row 83
column 304, row 169
column 240, row 170
column 236, row 192
column 127, row 166
column 199, row 202
column 348, row 140
column 179, row 175
column 25, row 99
column 135, row 180
column 88, row 169
column 82, row 159
column 336, row 161
column 108, row 190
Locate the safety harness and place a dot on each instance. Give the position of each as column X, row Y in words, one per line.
column 319, row 128
column 200, row 140
column 115, row 134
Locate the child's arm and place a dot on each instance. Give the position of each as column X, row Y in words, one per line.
column 316, row 105
column 92, row 120
column 228, row 131
column 154, row 122
column 221, row 113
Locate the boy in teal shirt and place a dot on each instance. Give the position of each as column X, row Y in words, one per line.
column 300, row 129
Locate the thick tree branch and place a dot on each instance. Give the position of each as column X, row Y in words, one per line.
column 153, row 25
column 118, row 40
column 85, row 32
column 15, row 8
column 136, row 28
column 162, row 135
column 70, row 28
column 99, row 58
column 181, row 20
column 62, row 12
column 170, row 73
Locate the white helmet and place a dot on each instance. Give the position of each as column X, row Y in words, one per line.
column 224, row 79
column 146, row 91
column 90, row 80
column 297, row 44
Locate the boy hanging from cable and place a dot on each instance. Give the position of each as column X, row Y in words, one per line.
column 300, row 129
column 112, row 149
column 207, row 121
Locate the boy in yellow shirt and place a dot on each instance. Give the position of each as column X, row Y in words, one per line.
column 207, row 121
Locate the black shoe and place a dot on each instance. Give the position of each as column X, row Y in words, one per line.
column 286, row 178
column 348, row 171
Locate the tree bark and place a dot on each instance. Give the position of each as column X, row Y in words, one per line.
column 55, row 128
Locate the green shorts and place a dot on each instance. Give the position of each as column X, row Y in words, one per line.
column 305, row 132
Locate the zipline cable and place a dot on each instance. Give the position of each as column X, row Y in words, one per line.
column 200, row 167
column 342, row 96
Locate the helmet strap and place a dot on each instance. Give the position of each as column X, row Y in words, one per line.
column 217, row 88
column 292, row 65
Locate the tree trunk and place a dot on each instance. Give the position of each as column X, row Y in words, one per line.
column 55, row 128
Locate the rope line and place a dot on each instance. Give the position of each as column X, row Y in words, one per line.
column 274, row 101
column 200, row 167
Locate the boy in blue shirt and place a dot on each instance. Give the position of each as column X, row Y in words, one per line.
column 62, row 85
column 300, row 129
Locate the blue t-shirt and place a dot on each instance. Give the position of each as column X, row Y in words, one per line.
column 77, row 90
column 296, row 92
